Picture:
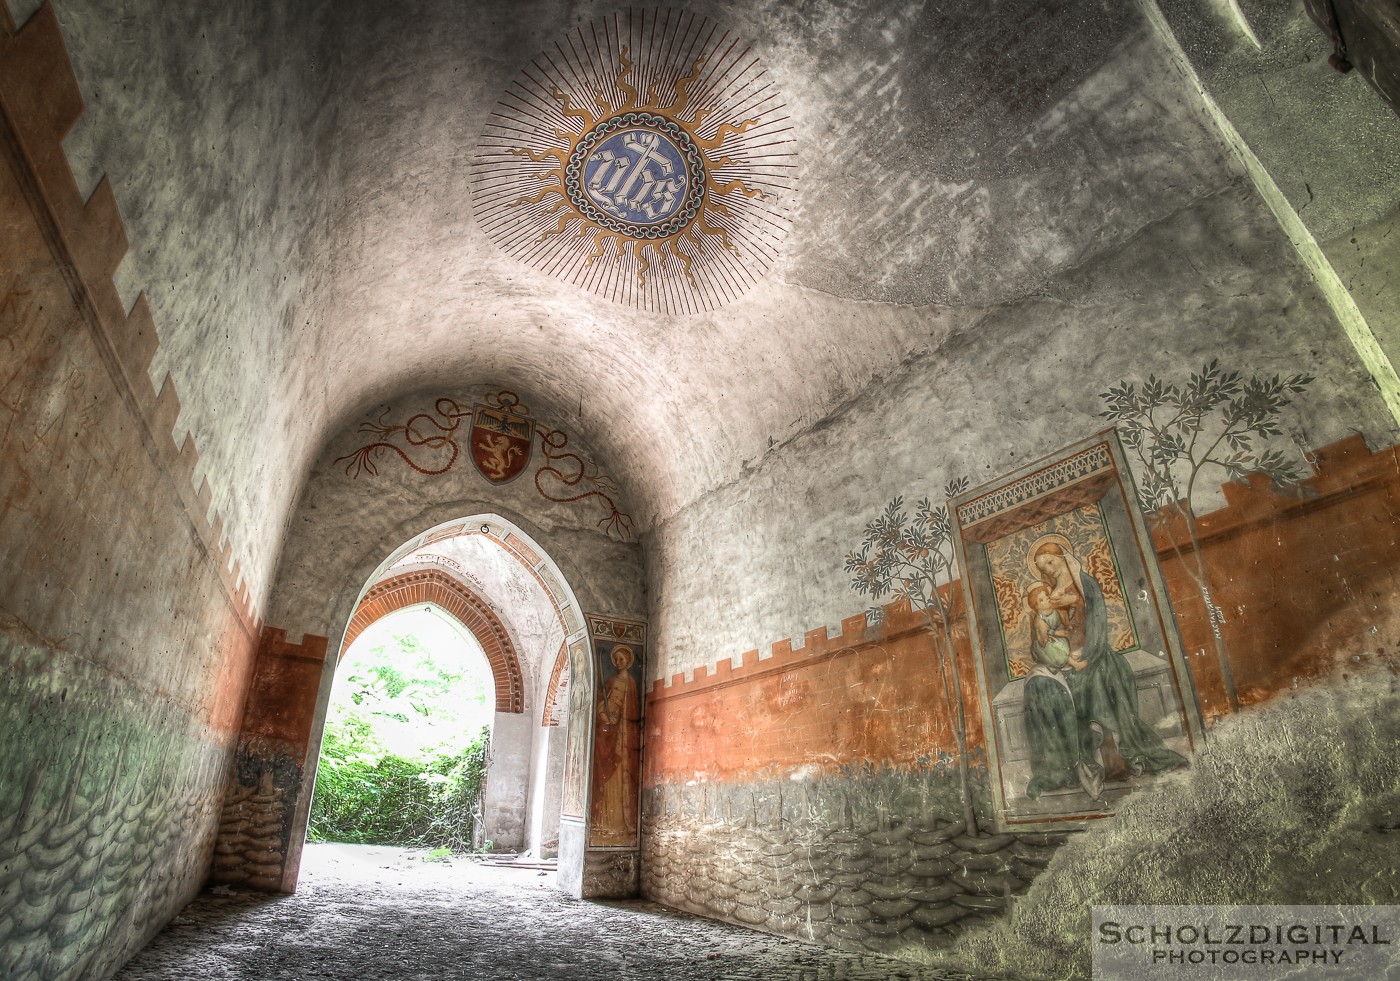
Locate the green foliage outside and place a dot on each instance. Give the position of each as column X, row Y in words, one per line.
column 404, row 751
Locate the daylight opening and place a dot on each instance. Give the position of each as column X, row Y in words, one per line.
column 407, row 738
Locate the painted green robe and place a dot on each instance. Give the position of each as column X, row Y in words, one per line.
column 1061, row 718
column 1106, row 692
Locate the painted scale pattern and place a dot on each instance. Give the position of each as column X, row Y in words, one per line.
column 110, row 833
column 867, row 882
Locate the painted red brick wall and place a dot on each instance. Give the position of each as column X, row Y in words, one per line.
column 126, row 640
column 282, row 695
column 869, row 694
column 1307, row 583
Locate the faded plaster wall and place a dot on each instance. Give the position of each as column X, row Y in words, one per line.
column 547, row 785
column 1206, row 274
column 508, row 782
column 125, row 647
column 788, row 791
column 292, row 160
column 812, row 790
column 1327, row 140
column 346, row 524
column 1000, row 213
column 215, row 125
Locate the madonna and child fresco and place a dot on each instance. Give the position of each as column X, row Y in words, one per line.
column 1080, row 692
column 1084, row 690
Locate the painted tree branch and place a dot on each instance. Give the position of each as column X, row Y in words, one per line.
column 904, row 556
column 1218, row 419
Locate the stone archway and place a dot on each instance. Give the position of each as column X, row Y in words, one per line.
column 471, row 611
column 557, row 694
column 536, row 731
column 541, row 741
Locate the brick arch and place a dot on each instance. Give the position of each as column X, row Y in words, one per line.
column 558, row 692
column 439, row 588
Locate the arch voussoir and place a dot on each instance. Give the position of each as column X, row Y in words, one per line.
column 469, row 609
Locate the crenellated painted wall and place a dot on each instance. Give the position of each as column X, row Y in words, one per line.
column 992, row 227
column 812, row 790
column 126, row 633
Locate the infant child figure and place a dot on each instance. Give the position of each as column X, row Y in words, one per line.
column 1050, row 633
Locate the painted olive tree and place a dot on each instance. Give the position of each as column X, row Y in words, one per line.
column 1218, row 420
column 908, row 556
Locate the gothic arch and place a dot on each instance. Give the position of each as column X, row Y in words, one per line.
column 441, row 589
column 558, row 688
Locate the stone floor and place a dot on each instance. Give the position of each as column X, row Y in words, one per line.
column 381, row 913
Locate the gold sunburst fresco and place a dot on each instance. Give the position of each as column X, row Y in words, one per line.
column 646, row 157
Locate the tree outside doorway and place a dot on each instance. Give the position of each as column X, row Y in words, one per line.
column 407, row 738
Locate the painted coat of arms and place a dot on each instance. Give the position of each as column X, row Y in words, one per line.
column 1085, row 693
column 502, row 435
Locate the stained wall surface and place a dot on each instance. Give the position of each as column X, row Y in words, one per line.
column 996, row 214
column 812, row 791
column 1203, row 271
column 125, row 642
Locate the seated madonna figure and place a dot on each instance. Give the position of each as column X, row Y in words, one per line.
column 1101, row 680
column 1063, row 752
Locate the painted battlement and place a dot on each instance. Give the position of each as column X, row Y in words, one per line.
column 855, row 632
column 41, row 103
column 1259, row 538
column 1342, row 470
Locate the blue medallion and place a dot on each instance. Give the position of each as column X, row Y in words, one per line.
column 639, row 174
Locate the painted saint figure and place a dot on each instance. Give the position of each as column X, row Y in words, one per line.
column 1067, row 734
column 1063, row 752
column 576, row 752
column 617, row 743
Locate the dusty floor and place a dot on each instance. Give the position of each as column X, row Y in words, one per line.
column 384, row 913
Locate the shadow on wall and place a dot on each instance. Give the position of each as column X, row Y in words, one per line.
column 1294, row 803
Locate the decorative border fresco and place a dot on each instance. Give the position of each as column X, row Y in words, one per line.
column 431, row 443
column 646, row 157
column 1041, row 482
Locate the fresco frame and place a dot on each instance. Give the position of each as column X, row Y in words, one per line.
column 1085, row 482
column 605, row 633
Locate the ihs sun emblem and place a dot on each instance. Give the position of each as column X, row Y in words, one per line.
column 645, row 157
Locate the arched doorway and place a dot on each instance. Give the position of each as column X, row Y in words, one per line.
column 504, row 589
column 407, row 737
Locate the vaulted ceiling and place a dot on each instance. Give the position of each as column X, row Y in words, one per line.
column 296, row 179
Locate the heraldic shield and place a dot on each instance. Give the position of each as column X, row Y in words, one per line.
column 502, row 437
